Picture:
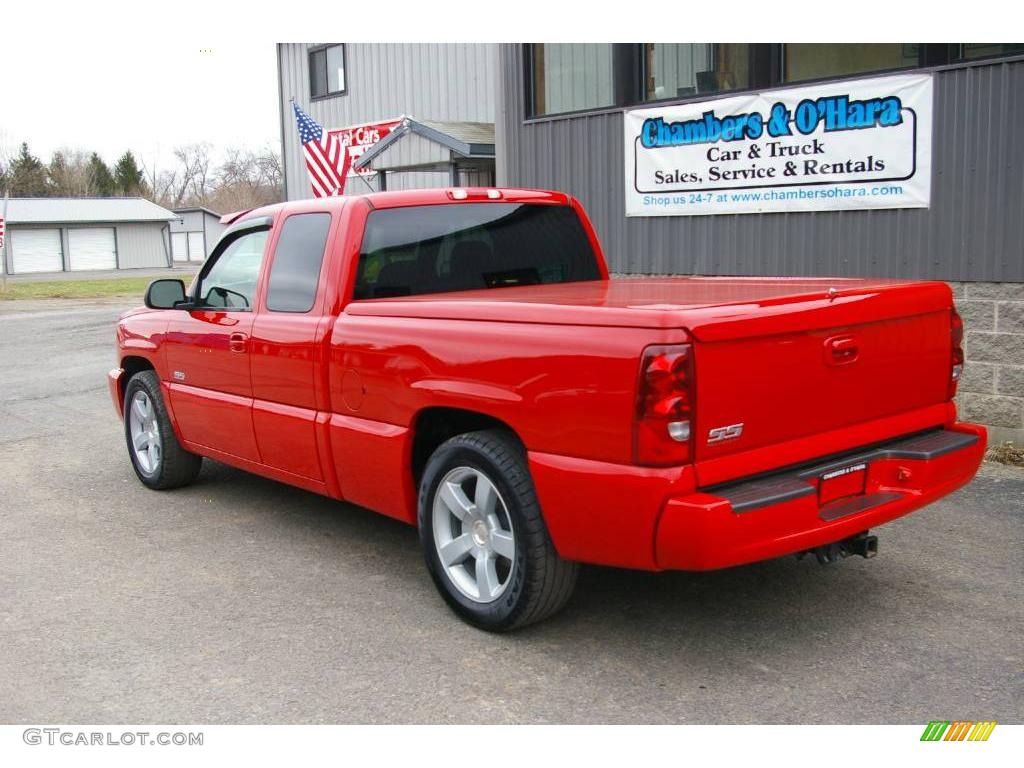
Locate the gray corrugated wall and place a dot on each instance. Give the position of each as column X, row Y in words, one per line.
column 141, row 245
column 430, row 81
column 213, row 231
column 974, row 229
column 190, row 221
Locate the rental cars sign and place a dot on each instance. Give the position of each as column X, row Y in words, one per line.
column 358, row 138
column 830, row 146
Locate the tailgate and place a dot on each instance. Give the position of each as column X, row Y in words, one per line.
column 754, row 391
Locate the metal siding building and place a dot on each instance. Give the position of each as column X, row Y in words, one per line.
column 52, row 234
column 427, row 81
column 973, row 231
column 141, row 245
column 972, row 235
column 194, row 233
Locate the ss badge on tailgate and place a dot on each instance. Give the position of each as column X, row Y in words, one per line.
column 718, row 434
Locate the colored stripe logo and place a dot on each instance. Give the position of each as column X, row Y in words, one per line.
column 958, row 730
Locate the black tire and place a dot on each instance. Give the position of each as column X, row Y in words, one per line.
column 176, row 466
column 539, row 582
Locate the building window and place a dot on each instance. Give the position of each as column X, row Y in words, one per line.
column 811, row 61
column 678, row 70
column 985, row 50
column 577, row 77
column 568, row 77
column 327, row 70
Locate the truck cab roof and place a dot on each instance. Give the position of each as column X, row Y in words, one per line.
column 406, row 198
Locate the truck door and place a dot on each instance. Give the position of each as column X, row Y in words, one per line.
column 288, row 348
column 208, row 345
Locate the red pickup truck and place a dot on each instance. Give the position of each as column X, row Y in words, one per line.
column 460, row 360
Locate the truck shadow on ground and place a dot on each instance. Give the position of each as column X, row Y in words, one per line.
column 779, row 600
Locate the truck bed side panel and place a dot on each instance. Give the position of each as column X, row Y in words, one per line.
column 563, row 390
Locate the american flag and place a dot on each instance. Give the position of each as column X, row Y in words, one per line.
column 326, row 160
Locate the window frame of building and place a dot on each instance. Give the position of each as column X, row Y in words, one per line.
column 323, row 49
column 957, row 52
column 767, row 69
column 650, row 73
column 783, row 78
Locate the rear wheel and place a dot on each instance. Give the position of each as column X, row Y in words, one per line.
column 484, row 538
column 157, row 457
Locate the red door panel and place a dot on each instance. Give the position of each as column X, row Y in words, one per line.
column 284, row 354
column 285, row 357
column 287, row 439
column 210, row 379
column 215, row 420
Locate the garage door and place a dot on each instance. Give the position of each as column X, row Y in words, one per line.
column 179, row 246
column 35, row 250
column 92, row 248
column 196, row 250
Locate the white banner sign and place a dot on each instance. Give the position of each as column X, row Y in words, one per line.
column 824, row 147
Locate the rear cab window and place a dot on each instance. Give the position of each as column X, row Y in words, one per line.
column 298, row 259
column 464, row 246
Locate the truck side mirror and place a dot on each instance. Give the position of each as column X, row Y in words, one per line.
column 166, row 293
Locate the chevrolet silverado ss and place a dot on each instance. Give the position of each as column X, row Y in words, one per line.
column 460, row 360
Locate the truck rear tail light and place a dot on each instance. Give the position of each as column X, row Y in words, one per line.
column 956, row 340
column 663, row 431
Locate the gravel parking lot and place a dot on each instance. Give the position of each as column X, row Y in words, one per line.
column 240, row 600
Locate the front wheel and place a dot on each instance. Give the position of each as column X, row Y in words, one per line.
column 484, row 538
column 157, row 457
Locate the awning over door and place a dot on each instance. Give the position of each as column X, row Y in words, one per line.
column 463, row 149
column 35, row 250
column 92, row 248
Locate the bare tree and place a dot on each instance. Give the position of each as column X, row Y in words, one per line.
column 246, row 179
column 70, row 175
column 272, row 172
column 160, row 185
column 195, row 174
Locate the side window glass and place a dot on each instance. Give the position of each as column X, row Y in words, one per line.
column 231, row 281
column 295, row 271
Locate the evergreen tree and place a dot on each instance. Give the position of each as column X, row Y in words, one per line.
column 128, row 178
column 27, row 175
column 100, row 179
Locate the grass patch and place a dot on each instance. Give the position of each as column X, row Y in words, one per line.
column 1006, row 453
column 77, row 289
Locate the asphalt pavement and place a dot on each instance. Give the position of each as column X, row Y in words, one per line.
column 241, row 600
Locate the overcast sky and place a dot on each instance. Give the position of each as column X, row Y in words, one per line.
column 149, row 95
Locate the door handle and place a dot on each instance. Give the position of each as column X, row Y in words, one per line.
column 841, row 350
column 236, row 342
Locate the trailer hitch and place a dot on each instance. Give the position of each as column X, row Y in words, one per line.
column 863, row 544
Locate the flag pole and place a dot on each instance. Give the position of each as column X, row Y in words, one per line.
column 367, row 183
column 344, row 182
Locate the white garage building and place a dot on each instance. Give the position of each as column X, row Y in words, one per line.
column 194, row 233
column 61, row 234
